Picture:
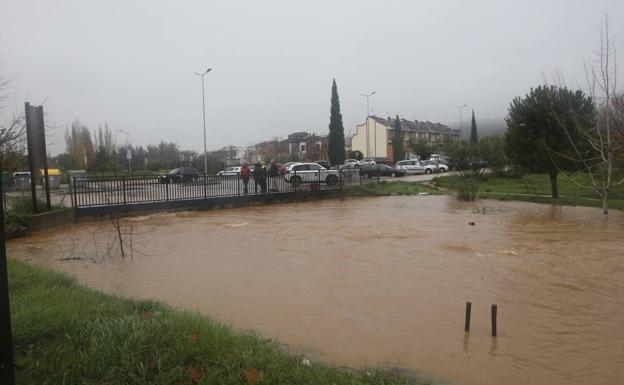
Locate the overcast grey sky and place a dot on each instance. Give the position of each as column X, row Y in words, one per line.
column 131, row 63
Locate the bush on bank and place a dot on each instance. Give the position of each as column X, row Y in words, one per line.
column 65, row 333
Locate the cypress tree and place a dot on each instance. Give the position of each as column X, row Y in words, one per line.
column 398, row 151
column 336, row 130
column 473, row 130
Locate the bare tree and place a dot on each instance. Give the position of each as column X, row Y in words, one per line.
column 12, row 135
column 601, row 151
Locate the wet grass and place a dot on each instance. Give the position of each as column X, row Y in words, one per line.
column 65, row 333
column 536, row 188
column 392, row 188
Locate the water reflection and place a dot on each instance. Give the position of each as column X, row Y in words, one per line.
column 367, row 281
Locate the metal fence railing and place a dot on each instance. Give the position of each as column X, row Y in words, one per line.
column 114, row 191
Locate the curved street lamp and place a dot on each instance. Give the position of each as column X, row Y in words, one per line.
column 460, row 115
column 204, row 111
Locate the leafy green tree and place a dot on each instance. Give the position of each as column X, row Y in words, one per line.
column 473, row 129
column 398, row 147
column 541, row 127
column 492, row 151
column 421, row 149
column 336, row 138
column 464, row 157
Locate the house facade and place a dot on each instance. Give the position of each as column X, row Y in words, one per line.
column 307, row 147
column 376, row 142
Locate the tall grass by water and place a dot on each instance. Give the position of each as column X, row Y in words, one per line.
column 65, row 333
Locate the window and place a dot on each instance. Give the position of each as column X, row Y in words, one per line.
column 314, row 167
column 302, row 147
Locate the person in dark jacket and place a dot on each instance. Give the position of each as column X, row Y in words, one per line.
column 259, row 175
column 274, row 174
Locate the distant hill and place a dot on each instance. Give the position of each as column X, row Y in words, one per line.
column 485, row 127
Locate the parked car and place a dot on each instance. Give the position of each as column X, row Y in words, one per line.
column 367, row 162
column 437, row 166
column 441, row 166
column 324, row 163
column 381, row 170
column 180, row 175
column 298, row 173
column 415, row 167
column 351, row 163
column 229, row 172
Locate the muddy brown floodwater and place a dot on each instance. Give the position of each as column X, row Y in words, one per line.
column 385, row 280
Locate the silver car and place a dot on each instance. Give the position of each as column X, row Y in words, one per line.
column 415, row 167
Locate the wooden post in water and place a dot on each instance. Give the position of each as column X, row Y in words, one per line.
column 467, row 323
column 494, row 311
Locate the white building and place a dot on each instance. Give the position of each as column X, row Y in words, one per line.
column 375, row 141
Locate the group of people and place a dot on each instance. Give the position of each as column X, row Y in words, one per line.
column 259, row 174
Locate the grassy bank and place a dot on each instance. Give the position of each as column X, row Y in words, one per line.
column 536, row 188
column 65, row 333
column 390, row 188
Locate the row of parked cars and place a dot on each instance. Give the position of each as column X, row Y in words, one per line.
column 322, row 171
column 370, row 167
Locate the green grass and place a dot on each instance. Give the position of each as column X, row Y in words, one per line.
column 390, row 188
column 536, row 188
column 65, row 333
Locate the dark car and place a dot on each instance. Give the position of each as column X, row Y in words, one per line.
column 324, row 163
column 381, row 170
column 180, row 175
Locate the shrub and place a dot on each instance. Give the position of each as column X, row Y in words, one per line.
column 466, row 188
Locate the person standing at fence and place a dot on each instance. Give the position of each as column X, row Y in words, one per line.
column 273, row 174
column 263, row 179
column 257, row 172
column 245, row 174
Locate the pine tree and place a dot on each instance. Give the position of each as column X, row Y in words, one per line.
column 398, row 150
column 336, row 130
column 473, row 130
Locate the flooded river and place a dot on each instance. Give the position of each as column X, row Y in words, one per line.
column 384, row 280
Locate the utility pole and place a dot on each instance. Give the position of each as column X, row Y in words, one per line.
column 367, row 96
column 460, row 115
column 204, row 111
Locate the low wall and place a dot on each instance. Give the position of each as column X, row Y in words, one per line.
column 87, row 214
column 50, row 219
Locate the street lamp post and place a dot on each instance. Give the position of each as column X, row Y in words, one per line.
column 460, row 115
column 204, row 111
column 367, row 96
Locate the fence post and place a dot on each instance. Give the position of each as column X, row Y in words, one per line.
column 319, row 180
column 167, row 191
column 494, row 313
column 205, row 184
column 123, row 184
column 467, row 322
column 238, row 183
column 71, row 194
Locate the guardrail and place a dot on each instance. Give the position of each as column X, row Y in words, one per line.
column 127, row 190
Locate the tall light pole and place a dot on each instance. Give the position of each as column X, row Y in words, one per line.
column 204, row 111
column 367, row 96
column 460, row 115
